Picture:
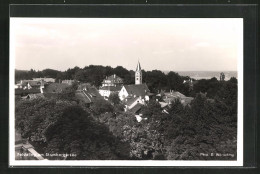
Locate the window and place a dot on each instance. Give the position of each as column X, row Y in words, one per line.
column 137, row 78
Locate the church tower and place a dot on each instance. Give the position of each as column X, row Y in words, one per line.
column 138, row 74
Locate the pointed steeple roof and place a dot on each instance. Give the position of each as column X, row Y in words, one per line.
column 138, row 68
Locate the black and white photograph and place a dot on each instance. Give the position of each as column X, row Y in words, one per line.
column 126, row 91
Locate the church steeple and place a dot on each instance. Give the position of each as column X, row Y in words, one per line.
column 138, row 68
column 138, row 74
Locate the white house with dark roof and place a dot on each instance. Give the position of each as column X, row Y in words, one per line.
column 134, row 91
column 112, row 80
column 28, row 84
column 111, row 84
column 105, row 91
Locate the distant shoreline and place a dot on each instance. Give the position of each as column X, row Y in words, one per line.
column 207, row 74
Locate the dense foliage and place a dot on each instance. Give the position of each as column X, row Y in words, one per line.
column 62, row 127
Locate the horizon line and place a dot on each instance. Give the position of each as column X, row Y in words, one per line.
column 134, row 70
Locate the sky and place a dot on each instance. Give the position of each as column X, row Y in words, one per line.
column 166, row 44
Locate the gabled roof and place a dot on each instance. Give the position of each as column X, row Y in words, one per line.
column 138, row 90
column 34, row 83
column 82, row 97
column 183, row 100
column 130, row 100
column 111, row 88
column 93, row 92
column 30, row 82
column 55, row 87
column 174, row 94
column 136, row 108
column 87, row 93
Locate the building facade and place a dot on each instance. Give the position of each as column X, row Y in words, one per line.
column 105, row 91
column 112, row 80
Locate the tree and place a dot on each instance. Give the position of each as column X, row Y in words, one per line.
column 76, row 132
column 69, row 93
column 114, row 98
column 101, row 106
column 63, row 127
column 152, row 110
column 233, row 80
column 50, row 73
column 33, row 117
column 144, row 143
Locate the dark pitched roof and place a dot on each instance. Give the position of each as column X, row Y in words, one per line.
column 34, row 83
column 93, row 92
column 136, row 108
column 130, row 100
column 55, row 87
column 87, row 93
column 138, row 90
column 30, row 82
column 82, row 97
column 174, row 94
column 111, row 88
column 183, row 100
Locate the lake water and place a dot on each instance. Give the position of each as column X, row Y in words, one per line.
column 207, row 74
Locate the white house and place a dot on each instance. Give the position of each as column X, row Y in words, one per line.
column 134, row 91
column 112, row 80
column 105, row 91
